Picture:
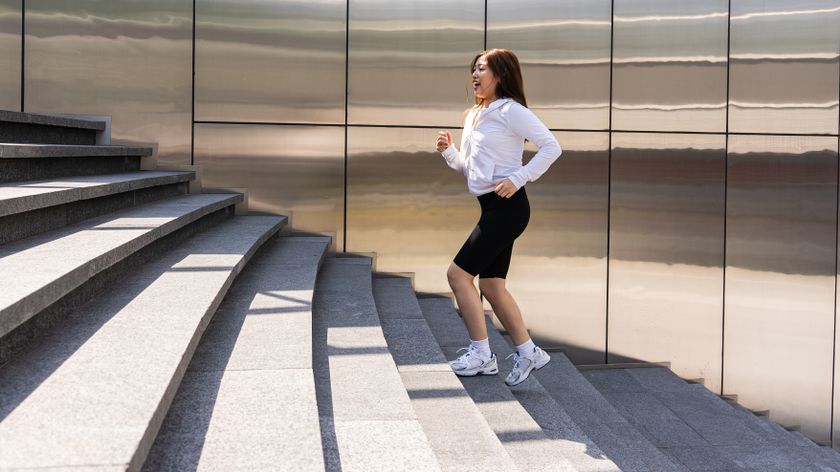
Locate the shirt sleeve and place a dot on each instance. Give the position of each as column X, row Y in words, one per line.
column 525, row 123
column 454, row 158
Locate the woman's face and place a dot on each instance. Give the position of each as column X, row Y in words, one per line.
column 484, row 81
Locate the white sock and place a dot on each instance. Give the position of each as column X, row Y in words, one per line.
column 526, row 348
column 482, row 346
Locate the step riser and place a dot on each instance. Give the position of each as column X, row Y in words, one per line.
column 25, row 133
column 24, row 225
column 16, row 340
column 18, row 170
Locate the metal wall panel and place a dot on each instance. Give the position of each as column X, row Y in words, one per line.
column 10, row 60
column 666, row 252
column 780, row 277
column 564, row 49
column 669, row 65
column 783, row 66
column 275, row 61
column 559, row 270
column 835, row 424
column 407, row 205
column 127, row 59
column 409, row 61
column 297, row 171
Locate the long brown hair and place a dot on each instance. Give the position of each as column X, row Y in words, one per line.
column 505, row 66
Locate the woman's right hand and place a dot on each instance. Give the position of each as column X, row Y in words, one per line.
column 444, row 140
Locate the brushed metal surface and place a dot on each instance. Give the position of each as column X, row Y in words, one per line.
column 128, row 59
column 564, row 49
column 666, row 252
column 404, row 203
column 409, row 61
column 780, row 277
column 835, row 424
column 669, row 65
column 297, row 171
column 10, row 60
column 784, row 66
column 258, row 60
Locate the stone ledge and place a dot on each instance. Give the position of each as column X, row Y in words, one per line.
column 31, row 151
column 50, row 120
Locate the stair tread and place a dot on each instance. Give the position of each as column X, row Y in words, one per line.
column 128, row 349
column 33, row 151
column 248, row 399
column 50, row 120
column 19, row 197
column 38, row 271
column 694, row 426
column 529, row 445
column 445, row 411
column 364, row 408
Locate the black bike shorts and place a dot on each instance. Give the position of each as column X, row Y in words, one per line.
column 487, row 251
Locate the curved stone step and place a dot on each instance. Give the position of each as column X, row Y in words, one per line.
column 38, row 271
column 692, row 425
column 460, row 437
column 367, row 421
column 41, row 151
column 29, row 208
column 529, row 445
column 248, row 399
column 16, row 127
column 94, row 393
column 630, row 450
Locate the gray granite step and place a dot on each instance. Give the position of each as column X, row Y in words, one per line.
column 16, row 127
column 37, row 151
column 247, row 401
column 694, row 426
column 38, row 271
column 367, row 420
column 599, row 420
column 29, row 208
column 93, row 393
column 535, row 434
column 460, row 437
column 20, row 197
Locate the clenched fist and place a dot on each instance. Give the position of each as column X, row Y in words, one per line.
column 444, row 140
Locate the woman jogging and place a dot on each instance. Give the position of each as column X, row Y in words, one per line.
column 495, row 130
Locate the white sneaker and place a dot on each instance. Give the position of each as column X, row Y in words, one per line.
column 472, row 363
column 523, row 365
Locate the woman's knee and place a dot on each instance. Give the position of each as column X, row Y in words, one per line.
column 492, row 288
column 458, row 277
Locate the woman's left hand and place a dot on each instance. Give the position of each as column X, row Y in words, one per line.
column 505, row 189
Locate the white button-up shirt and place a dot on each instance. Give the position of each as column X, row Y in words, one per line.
column 492, row 145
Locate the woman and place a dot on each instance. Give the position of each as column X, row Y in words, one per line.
column 495, row 130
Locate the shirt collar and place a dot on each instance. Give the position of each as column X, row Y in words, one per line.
column 497, row 103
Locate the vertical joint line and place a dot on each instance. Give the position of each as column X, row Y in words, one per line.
column 22, row 55
column 192, row 103
column 346, row 115
column 725, row 196
column 485, row 25
column 609, row 186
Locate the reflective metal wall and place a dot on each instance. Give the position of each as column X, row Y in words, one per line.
column 280, row 61
column 669, row 65
column 666, row 251
column 10, row 54
column 564, row 49
column 691, row 219
column 296, row 171
column 409, row 60
column 783, row 66
column 123, row 58
column 781, row 240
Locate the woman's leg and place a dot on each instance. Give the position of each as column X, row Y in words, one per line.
column 505, row 307
column 463, row 286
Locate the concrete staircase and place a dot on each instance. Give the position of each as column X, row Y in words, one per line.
column 146, row 328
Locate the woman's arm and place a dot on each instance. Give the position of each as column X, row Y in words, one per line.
column 525, row 123
column 446, row 147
